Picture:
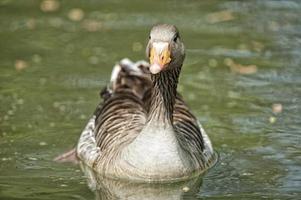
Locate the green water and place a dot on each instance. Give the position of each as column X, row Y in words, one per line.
column 243, row 57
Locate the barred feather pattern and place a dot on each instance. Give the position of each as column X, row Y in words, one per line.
column 191, row 135
column 130, row 101
column 119, row 122
column 187, row 128
column 163, row 94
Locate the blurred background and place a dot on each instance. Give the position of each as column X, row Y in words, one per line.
column 241, row 77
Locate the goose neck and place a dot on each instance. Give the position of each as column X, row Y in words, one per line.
column 163, row 96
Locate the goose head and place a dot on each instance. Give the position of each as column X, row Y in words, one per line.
column 165, row 49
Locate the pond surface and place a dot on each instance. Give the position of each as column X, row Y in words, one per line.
column 242, row 78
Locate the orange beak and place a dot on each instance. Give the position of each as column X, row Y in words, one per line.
column 159, row 56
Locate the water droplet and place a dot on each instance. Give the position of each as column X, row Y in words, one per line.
column 185, row 189
column 20, row 65
column 76, row 14
column 272, row 120
column 64, row 185
column 49, row 5
column 277, row 108
column 32, row 158
column 42, row 143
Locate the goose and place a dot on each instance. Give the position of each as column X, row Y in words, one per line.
column 143, row 130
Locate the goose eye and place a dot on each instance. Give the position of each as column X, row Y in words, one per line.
column 149, row 37
column 175, row 39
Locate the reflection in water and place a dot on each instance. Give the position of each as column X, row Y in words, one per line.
column 105, row 188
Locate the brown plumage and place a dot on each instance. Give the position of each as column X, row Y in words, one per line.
column 143, row 129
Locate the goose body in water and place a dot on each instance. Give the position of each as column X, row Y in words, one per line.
column 143, row 129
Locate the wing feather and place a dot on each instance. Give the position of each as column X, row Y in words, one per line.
column 121, row 116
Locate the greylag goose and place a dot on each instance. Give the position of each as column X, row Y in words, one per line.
column 143, row 130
